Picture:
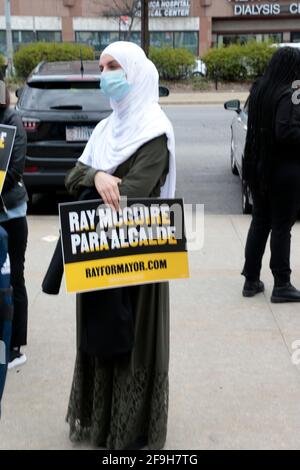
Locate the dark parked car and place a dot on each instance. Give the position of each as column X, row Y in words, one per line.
column 238, row 139
column 60, row 105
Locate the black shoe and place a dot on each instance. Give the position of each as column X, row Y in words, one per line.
column 251, row 288
column 287, row 293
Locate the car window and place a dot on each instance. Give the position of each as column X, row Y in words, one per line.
column 45, row 96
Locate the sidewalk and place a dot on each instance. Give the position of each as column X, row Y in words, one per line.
column 232, row 382
column 203, row 98
column 196, row 98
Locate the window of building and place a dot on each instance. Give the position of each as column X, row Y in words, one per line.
column 3, row 42
column 187, row 40
column 295, row 37
column 273, row 37
column 133, row 36
column 99, row 40
column 108, row 37
column 49, row 36
column 22, row 37
column 26, row 37
column 161, row 39
column 91, row 38
column 227, row 39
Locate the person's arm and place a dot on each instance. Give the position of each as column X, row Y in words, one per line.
column 79, row 177
column 150, row 167
column 83, row 176
column 17, row 160
column 287, row 125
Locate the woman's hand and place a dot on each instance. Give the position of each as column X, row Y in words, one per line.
column 107, row 187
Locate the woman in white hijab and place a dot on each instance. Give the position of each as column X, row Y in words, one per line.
column 121, row 401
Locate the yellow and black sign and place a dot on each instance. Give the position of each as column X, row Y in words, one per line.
column 142, row 242
column 7, row 138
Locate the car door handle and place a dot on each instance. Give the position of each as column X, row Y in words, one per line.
column 239, row 119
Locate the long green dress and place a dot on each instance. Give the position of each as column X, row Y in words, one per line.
column 115, row 402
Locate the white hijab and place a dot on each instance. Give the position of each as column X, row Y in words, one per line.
column 135, row 119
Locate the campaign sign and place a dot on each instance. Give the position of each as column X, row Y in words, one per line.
column 7, row 138
column 144, row 241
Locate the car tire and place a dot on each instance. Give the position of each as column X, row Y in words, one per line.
column 197, row 74
column 246, row 205
column 234, row 169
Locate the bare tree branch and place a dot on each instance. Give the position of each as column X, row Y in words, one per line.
column 117, row 8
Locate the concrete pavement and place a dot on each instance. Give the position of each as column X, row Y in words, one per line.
column 232, row 382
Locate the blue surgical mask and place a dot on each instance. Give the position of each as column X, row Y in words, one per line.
column 114, row 84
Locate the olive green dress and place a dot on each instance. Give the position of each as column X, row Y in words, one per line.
column 114, row 402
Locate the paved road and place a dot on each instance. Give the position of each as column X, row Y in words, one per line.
column 203, row 145
column 203, row 170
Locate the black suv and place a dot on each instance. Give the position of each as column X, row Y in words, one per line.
column 60, row 105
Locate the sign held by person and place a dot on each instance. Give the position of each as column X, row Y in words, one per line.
column 142, row 242
column 7, row 138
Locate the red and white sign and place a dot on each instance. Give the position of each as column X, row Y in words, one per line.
column 124, row 23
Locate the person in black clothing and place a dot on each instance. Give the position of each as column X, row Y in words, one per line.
column 13, row 208
column 272, row 169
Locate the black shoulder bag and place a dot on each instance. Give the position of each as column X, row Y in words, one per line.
column 105, row 318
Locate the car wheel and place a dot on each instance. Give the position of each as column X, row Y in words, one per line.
column 246, row 205
column 232, row 160
column 197, row 74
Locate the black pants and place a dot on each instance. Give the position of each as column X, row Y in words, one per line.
column 275, row 212
column 17, row 231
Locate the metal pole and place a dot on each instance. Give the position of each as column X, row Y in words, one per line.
column 145, row 26
column 9, row 41
column 34, row 28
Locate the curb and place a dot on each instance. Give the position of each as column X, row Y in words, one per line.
column 173, row 102
column 191, row 103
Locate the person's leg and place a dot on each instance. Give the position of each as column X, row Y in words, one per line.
column 285, row 206
column 257, row 236
column 17, row 231
column 280, row 247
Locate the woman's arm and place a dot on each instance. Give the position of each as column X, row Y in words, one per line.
column 17, row 160
column 287, row 126
column 80, row 176
column 84, row 176
column 149, row 169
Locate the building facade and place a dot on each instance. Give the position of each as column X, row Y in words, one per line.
column 195, row 25
column 173, row 23
column 237, row 21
